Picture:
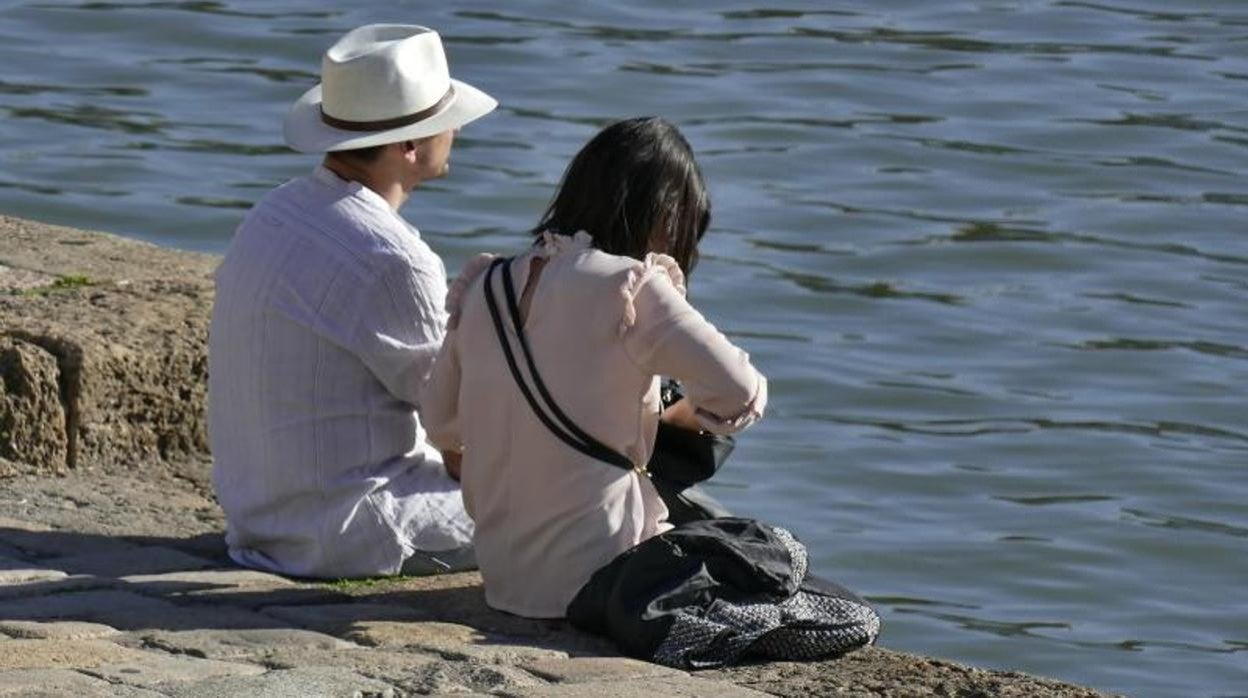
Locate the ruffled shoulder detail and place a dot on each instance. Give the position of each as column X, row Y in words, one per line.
column 455, row 294
column 639, row 275
column 551, row 244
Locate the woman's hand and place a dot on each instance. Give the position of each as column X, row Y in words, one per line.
column 452, row 461
column 681, row 414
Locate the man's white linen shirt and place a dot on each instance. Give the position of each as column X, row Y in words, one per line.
column 329, row 312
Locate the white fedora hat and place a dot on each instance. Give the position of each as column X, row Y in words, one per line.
column 382, row 83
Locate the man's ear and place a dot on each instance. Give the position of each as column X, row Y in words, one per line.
column 405, row 149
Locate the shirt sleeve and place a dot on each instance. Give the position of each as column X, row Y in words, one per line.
column 399, row 334
column 668, row 337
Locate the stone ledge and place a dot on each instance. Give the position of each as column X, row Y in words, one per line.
column 104, row 365
column 102, row 384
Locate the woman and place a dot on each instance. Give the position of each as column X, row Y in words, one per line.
column 590, row 317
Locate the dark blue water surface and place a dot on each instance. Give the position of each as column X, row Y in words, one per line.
column 993, row 256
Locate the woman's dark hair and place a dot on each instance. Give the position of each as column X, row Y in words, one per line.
column 636, row 179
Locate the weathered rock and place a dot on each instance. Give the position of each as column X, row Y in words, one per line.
column 39, row 540
column 232, row 644
column 153, row 670
column 55, row 250
column 127, row 325
column 682, row 686
column 58, row 683
column 450, row 640
column 44, row 654
column 59, row 585
column 286, row 683
column 467, row 677
column 132, row 612
column 132, row 367
column 158, row 507
column 585, row 669
column 62, row 630
column 178, row 580
column 111, row 332
column 877, row 672
column 393, row 667
column 337, row 619
column 247, row 588
column 145, row 560
column 22, row 572
column 32, row 420
column 14, row 281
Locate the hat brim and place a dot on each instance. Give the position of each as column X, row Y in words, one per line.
column 307, row 133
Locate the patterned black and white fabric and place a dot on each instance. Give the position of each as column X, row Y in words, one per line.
column 710, row 593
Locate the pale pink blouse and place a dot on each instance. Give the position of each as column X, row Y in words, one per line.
column 601, row 328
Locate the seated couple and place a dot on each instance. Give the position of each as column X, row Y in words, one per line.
column 351, row 393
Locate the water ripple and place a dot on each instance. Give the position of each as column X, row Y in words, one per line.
column 94, row 116
column 196, row 6
column 1184, row 523
column 874, row 289
column 1026, row 425
column 1176, row 121
column 1043, row 500
column 949, row 41
column 1136, row 300
column 240, row 204
column 994, row 231
column 1150, row 15
column 26, row 89
column 778, row 13
column 1229, row 351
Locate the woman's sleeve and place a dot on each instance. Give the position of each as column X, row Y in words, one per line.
column 665, row 335
column 439, row 411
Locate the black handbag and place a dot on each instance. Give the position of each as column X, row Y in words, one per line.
column 681, row 457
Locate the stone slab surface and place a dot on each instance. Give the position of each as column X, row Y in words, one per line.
column 42, row 541
column 144, row 560
column 56, row 630
column 109, row 369
column 449, row 640
column 391, row 666
column 17, row 280
column 32, row 415
column 155, row 670
column 872, row 671
column 58, row 683
column 585, row 669
column 50, row 654
column 231, row 644
column 182, row 580
column 237, row 587
column 287, row 683
column 77, row 582
column 127, row 611
column 152, row 506
column 458, row 677
column 338, row 618
column 675, row 687
column 22, row 572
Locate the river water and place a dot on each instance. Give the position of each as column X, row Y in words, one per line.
column 992, row 254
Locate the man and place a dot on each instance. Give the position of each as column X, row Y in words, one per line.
column 329, row 312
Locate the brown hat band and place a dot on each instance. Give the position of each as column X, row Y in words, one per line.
column 387, row 124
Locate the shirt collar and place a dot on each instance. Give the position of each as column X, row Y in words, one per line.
column 326, row 176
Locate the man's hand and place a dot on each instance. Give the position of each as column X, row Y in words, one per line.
column 452, row 460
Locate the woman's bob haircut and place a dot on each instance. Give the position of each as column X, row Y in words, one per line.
column 635, row 188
